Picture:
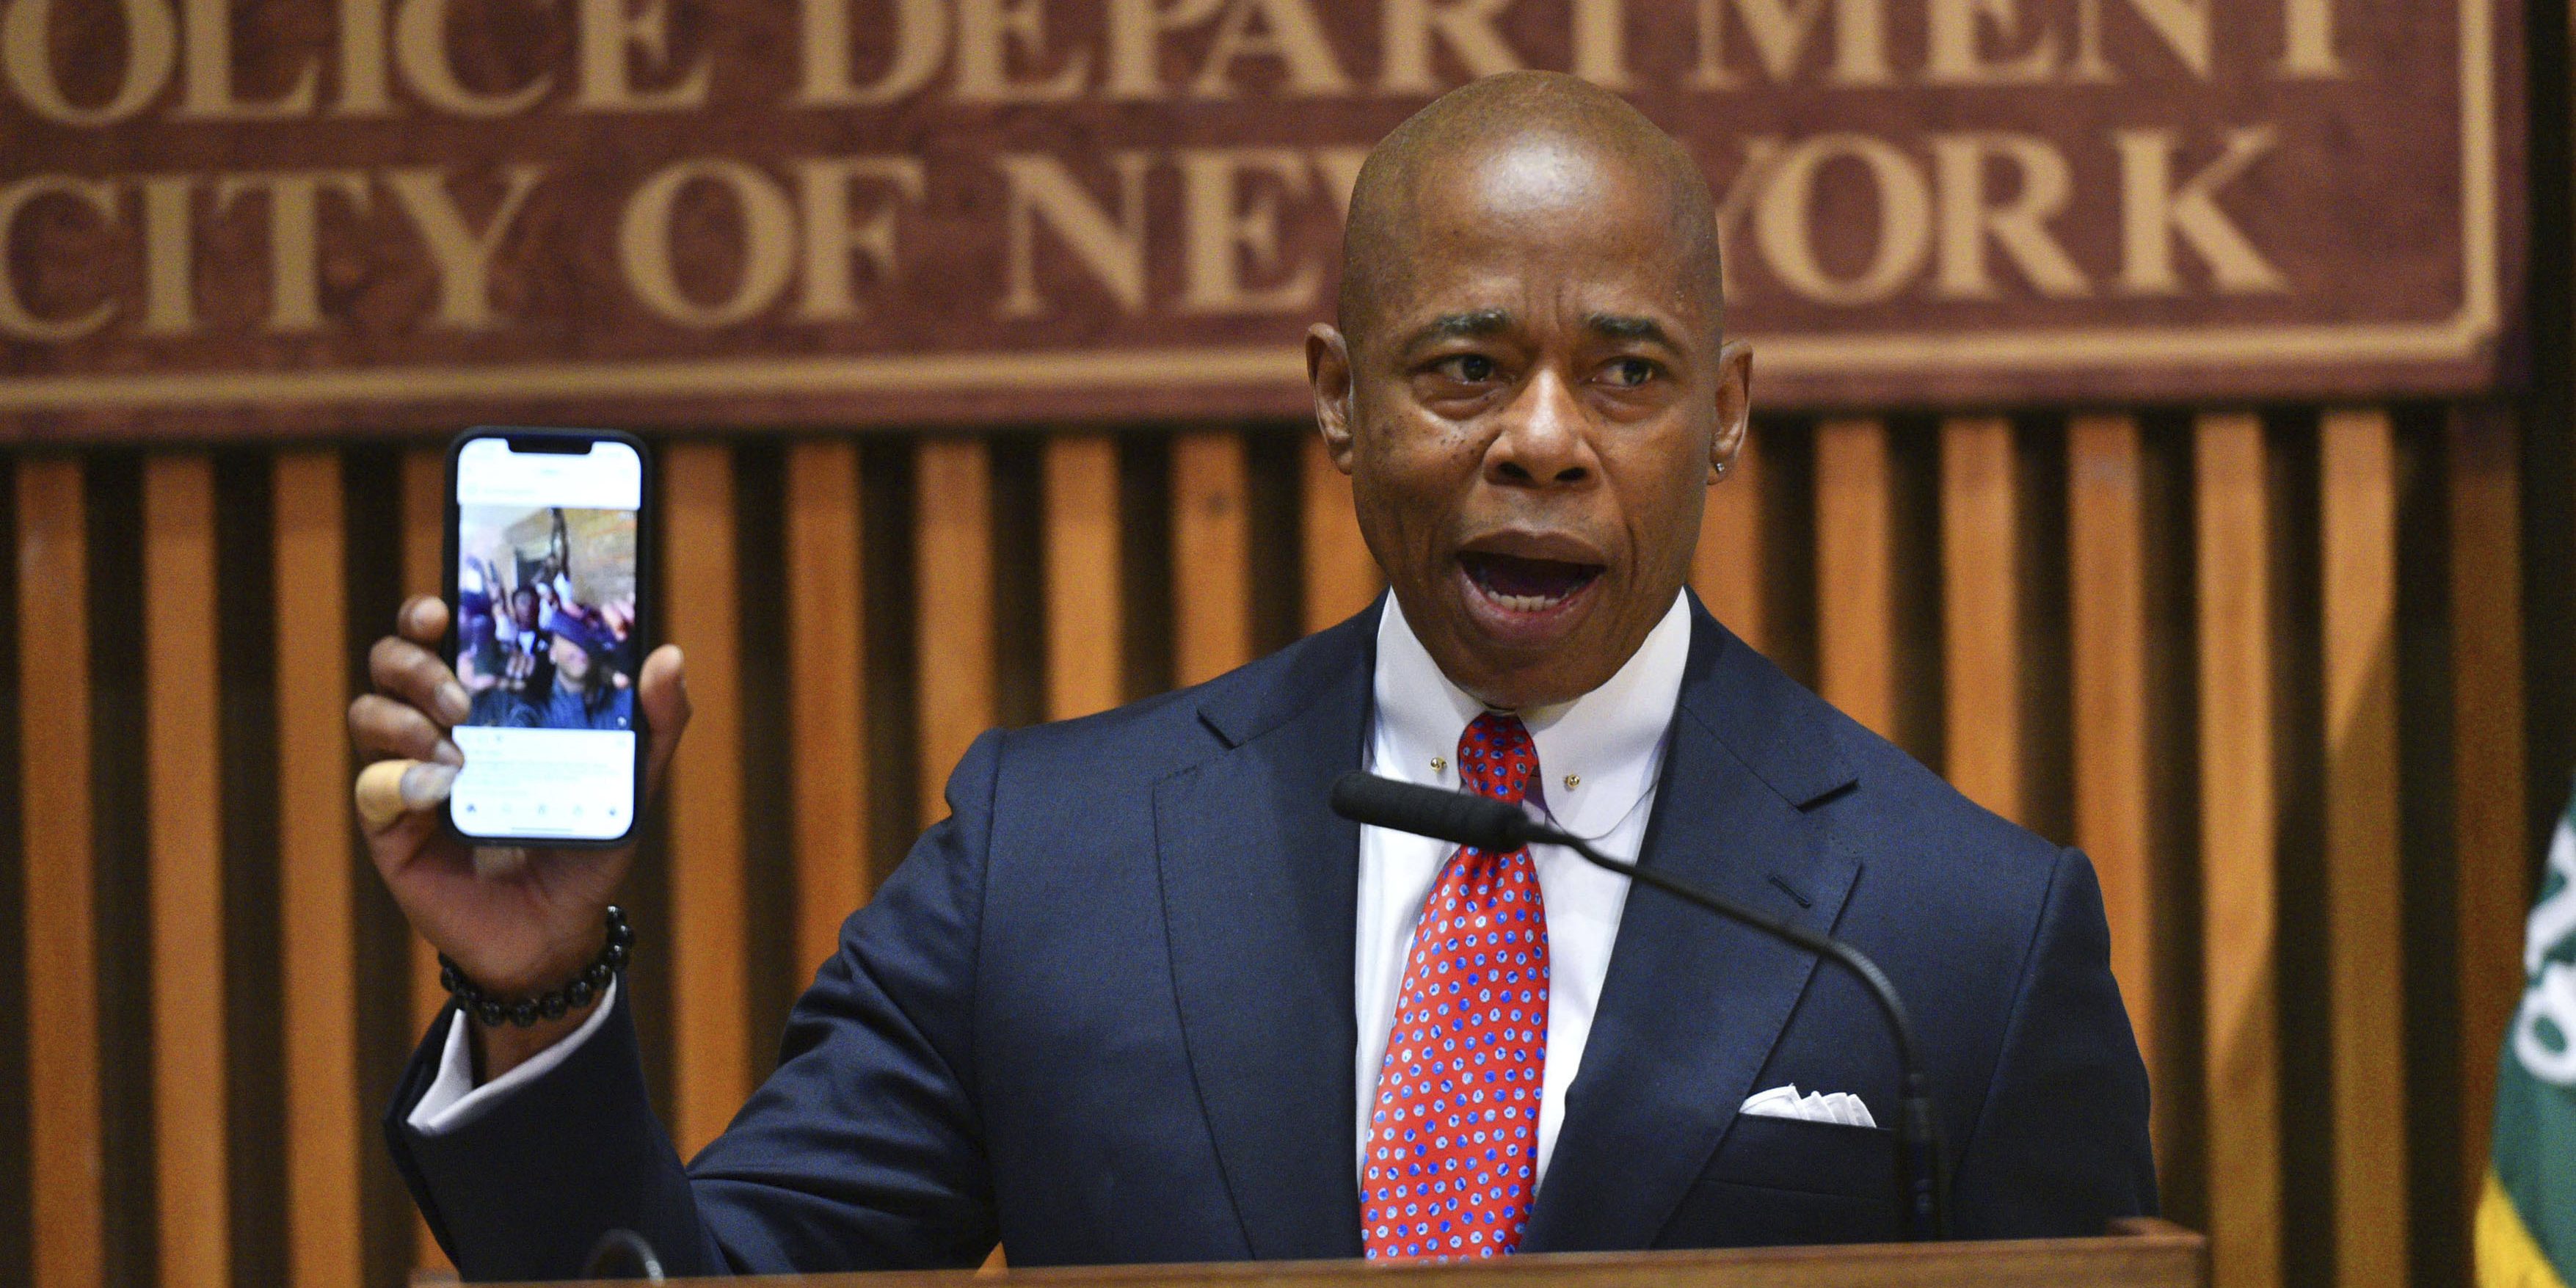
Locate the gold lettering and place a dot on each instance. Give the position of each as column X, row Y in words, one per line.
column 2308, row 41
column 169, row 255
column 462, row 257
column 921, row 41
column 2182, row 24
column 2020, row 227
column 294, row 236
column 26, row 54
column 1780, row 28
column 1760, row 151
column 1219, row 230
column 17, row 321
column 1466, row 26
column 1955, row 32
column 1136, row 30
column 1601, row 42
column 611, row 32
column 768, row 242
column 1784, row 219
column 206, row 83
column 986, row 32
column 2152, row 209
column 366, row 88
column 823, row 185
column 420, row 50
column 1113, row 249
column 1291, row 33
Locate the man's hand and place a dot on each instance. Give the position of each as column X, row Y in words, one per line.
column 517, row 922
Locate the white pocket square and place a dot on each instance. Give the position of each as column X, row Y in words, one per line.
column 1816, row 1106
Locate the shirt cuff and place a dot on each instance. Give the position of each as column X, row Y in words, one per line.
column 453, row 1100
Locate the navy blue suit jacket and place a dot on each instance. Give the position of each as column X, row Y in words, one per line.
column 1104, row 1013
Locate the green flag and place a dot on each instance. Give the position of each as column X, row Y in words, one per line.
column 2526, row 1236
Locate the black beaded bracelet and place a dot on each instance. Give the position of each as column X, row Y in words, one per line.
column 553, row 1005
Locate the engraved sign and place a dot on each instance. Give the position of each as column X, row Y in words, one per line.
column 292, row 216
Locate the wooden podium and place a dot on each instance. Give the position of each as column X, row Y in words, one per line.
column 2136, row 1254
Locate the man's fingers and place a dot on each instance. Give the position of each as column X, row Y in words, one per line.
column 414, row 674
column 389, row 789
column 663, row 691
column 422, row 619
column 380, row 726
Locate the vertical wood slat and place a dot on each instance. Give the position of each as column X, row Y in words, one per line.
column 316, row 873
column 1341, row 576
column 953, row 581
column 1855, row 595
column 710, row 1037
column 66, row 1172
column 2483, row 447
column 1211, row 550
column 1981, row 612
column 2365, row 941
column 827, row 691
column 424, row 538
column 1726, row 568
column 184, row 823
column 2238, row 812
column 2107, row 619
column 1086, row 629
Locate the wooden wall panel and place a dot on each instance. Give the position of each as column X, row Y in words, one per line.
column 953, row 583
column 1211, row 556
column 1086, row 627
column 183, row 751
column 2241, row 958
column 2365, row 945
column 1855, row 594
column 710, row 1027
column 2488, row 770
column 1727, row 567
column 1981, row 612
column 67, row 1170
column 827, row 687
column 2107, row 618
column 317, row 867
column 1341, row 576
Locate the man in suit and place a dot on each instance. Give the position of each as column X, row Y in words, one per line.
column 1143, row 997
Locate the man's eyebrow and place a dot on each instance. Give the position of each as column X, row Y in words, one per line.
column 1479, row 322
column 1618, row 326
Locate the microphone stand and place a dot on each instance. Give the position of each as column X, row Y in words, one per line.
column 1922, row 1171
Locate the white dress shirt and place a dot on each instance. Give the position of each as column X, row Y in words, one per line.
column 1598, row 757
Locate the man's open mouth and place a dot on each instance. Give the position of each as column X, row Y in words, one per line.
column 1525, row 585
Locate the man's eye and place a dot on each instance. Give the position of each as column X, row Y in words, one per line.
column 1470, row 368
column 1628, row 373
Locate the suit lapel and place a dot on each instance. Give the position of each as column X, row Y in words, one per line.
column 1259, row 881
column 1693, row 1004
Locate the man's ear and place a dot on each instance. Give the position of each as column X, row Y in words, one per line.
column 1734, row 406
column 1328, row 370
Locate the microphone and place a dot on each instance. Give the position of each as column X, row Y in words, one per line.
column 1461, row 818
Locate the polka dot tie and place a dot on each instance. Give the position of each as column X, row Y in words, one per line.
column 1453, row 1136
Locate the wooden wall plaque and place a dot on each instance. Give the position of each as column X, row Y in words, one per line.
column 337, row 216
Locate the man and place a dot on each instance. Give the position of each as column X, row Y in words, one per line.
column 1142, row 997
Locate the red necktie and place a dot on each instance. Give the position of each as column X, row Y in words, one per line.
column 1453, row 1135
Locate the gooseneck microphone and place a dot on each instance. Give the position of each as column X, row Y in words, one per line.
column 1499, row 826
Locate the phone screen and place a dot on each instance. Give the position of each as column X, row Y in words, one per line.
column 547, row 638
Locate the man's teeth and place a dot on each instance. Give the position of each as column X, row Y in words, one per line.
column 1524, row 603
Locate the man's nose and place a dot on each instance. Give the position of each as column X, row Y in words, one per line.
column 1543, row 442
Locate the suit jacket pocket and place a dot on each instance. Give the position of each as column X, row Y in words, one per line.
column 1788, row 1180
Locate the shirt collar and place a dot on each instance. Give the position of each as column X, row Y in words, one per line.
column 1610, row 740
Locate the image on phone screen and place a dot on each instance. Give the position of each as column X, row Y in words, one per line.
column 547, row 644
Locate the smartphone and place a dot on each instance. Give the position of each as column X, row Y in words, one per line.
column 548, row 536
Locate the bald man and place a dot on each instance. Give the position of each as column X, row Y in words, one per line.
column 1142, row 997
